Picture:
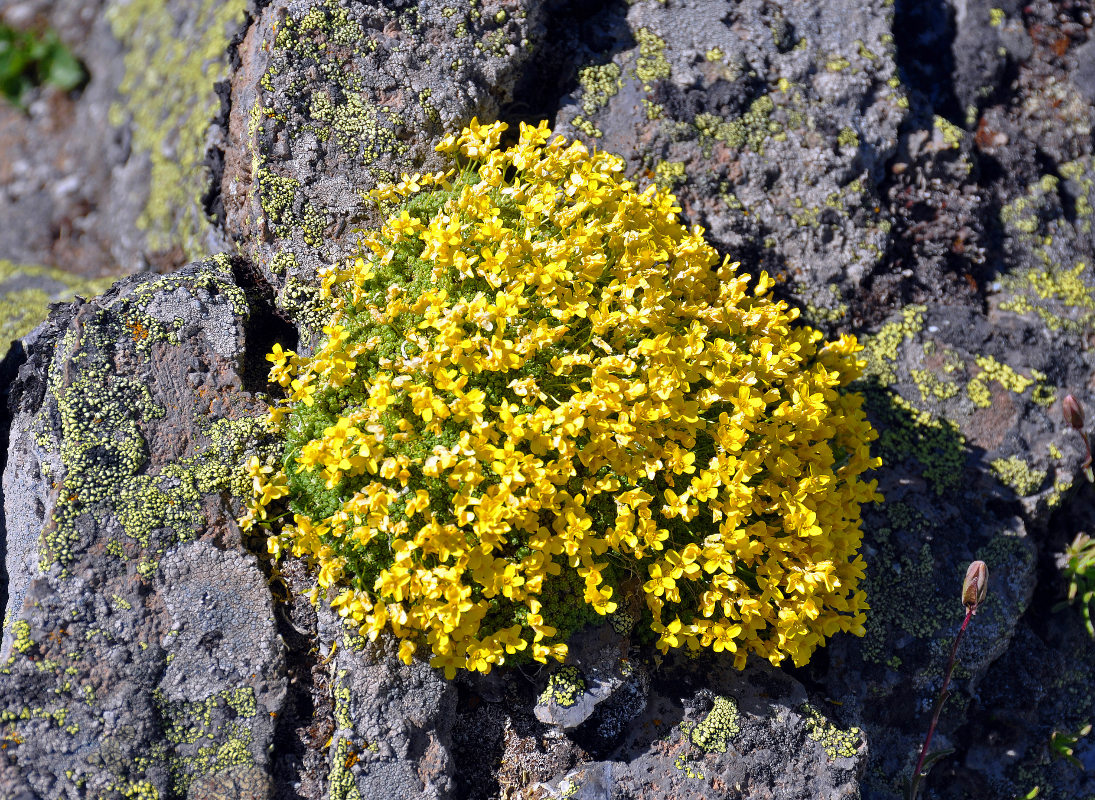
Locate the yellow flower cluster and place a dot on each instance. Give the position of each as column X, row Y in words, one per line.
column 536, row 382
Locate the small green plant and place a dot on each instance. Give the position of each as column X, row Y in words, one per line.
column 1079, row 570
column 975, row 588
column 1062, row 744
column 28, row 60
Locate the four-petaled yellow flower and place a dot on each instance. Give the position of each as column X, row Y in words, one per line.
column 536, row 384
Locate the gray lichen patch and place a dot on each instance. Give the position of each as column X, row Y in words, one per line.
column 220, row 610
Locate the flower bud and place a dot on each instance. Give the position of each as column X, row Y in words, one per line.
column 1073, row 412
column 976, row 585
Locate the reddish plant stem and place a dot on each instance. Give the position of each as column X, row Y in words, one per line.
column 942, row 693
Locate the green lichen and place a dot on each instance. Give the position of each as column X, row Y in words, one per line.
column 910, row 432
column 669, row 174
column 277, row 193
column 931, row 386
column 21, row 641
column 341, row 779
column 902, row 597
column 746, row 132
column 622, row 622
column 996, row 17
column 651, row 64
column 714, row 733
column 653, row 111
column 564, row 687
column 207, row 736
column 599, row 83
column 101, row 440
column 1019, row 475
column 301, row 299
column 342, row 698
column 682, row 763
column 1041, row 291
column 173, row 58
column 880, row 351
column 847, row 138
column 992, row 370
column 951, row 133
column 582, row 124
column 284, row 263
column 27, row 290
column 342, row 115
column 837, row 743
column 864, row 51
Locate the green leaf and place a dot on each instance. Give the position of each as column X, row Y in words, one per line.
column 913, row 786
column 62, row 69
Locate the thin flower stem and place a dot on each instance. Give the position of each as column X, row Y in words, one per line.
column 942, row 696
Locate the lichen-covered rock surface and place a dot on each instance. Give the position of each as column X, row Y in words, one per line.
column 772, row 122
column 116, row 177
column 332, row 98
column 920, row 174
column 141, row 655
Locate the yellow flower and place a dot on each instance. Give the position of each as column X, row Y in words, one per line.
column 513, row 371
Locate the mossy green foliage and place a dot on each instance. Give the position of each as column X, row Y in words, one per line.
column 174, row 54
column 31, row 59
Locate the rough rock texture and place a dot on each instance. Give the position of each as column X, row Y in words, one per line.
column 142, row 654
column 709, row 731
column 772, row 122
column 332, row 98
column 126, row 193
column 919, row 173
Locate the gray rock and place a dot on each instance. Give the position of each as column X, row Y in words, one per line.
column 139, row 659
column 333, row 98
column 126, row 193
column 771, row 122
column 392, row 723
column 598, row 685
column 710, row 731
